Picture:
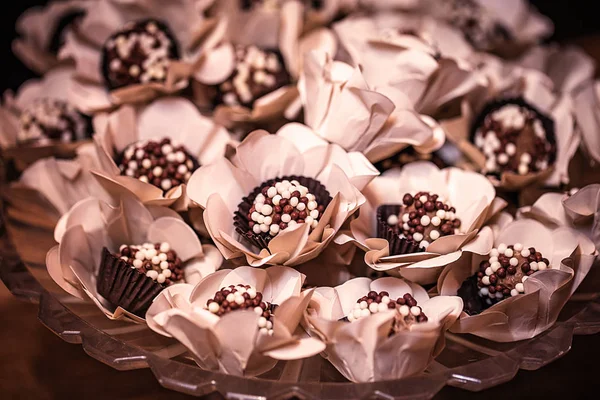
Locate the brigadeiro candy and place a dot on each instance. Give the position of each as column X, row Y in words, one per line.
column 278, row 204
column 257, row 72
column 515, row 137
column 243, row 297
column 501, row 276
column 140, row 52
column 414, row 225
column 163, row 163
column 134, row 276
column 47, row 119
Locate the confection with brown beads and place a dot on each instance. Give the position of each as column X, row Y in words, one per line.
column 157, row 261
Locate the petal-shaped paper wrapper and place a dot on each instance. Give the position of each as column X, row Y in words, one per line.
column 584, row 209
column 432, row 83
column 219, row 187
column 362, row 350
column 57, row 82
column 536, row 89
column 587, row 113
column 39, row 27
column 175, row 118
column 342, row 109
column 61, row 183
column 473, row 207
column 524, row 316
column 232, row 343
column 184, row 19
column 93, row 224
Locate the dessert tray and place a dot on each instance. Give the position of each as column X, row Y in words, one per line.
column 467, row 362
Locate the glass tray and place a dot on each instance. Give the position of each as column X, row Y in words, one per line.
column 467, row 362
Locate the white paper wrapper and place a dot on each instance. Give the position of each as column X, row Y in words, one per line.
column 59, row 183
column 279, row 30
column 470, row 193
column 93, row 224
column 169, row 117
column 526, row 315
column 580, row 211
column 40, row 28
column 535, row 88
column 587, row 105
column 341, row 108
column 232, row 343
column 54, row 85
column 219, row 188
column 363, row 351
column 183, row 17
column 407, row 63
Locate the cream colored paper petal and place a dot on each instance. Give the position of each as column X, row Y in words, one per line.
column 586, row 112
column 67, row 282
column 351, row 291
column 237, row 334
column 285, row 283
column 89, row 97
column 267, row 156
column 529, row 233
column 207, row 287
column 289, row 313
column 187, row 245
column 231, row 183
column 299, row 349
column 394, row 286
column 217, row 66
column 171, row 297
column 198, row 268
column 57, row 82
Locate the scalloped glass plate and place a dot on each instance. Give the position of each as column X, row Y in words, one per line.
column 467, row 362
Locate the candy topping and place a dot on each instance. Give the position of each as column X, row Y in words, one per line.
column 157, row 261
column 138, row 53
column 163, row 164
column 243, row 297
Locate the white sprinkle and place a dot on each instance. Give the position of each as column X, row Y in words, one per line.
column 385, row 300
column 258, row 310
column 502, row 158
column 276, row 199
column 263, row 331
column 423, row 199
column 510, row 149
column 314, row 214
column 501, row 248
column 363, row 305
column 534, row 266
column 495, row 266
column 254, row 215
column 286, row 194
column 434, row 234
column 264, row 228
column 309, row 219
column 167, row 273
column 518, row 246
column 485, row 280
column 424, row 244
column 418, row 236
column 138, row 263
column 164, row 264
column 140, row 255
column 152, row 274
column 165, row 184
column 520, row 288
column 441, row 214
column 494, row 253
column 266, row 210
column 286, row 218
column 155, row 260
column 484, row 291
column 239, row 299
column 256, row 228
column 262, row 322
column 514, row 262
column 392, row 220
column 489, row 271
column 182, row 169
column 508, row 252
column 294, row 201
column 274, row 229
column 373, row 307
column 146, row 163
column 525, row 158
column 311, row 205
column 260, row 219
column 213, row 307
column 404, row 310
column 381, row 307
column 272, row 192
column 542, row 265
column 230, row 297
column 405, row 217
column 415, row 310
column 435, row 221
column 301, row 206
column 514, row 292
column 267, row 220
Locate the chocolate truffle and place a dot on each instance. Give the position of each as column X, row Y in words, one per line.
column 136, row 274
column 243, row 297
column 163, row 164
column 420, row 220
column 515, row 137
column 52, row 119
column 157, row 261
column 278, row 204
column 274, row 5
column 501, row 276
column 138, row 53
column 477, row 25
column 257, row 72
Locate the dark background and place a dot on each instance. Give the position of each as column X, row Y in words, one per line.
column 572, row 18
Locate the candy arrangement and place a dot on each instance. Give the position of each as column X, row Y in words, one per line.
column 253, row 164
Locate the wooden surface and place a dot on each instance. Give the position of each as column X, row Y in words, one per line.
column 36, row 364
